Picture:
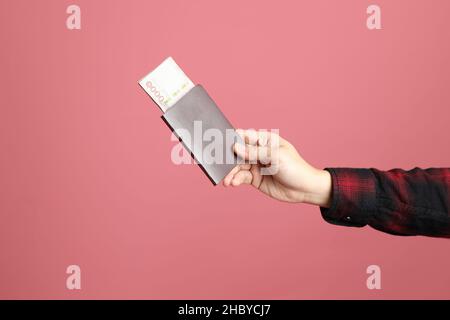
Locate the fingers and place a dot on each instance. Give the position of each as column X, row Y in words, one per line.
column 258, row 138
column 260, row 146
column 242, row 177
column 229, row 177
column 249, row 136
column 253, row 154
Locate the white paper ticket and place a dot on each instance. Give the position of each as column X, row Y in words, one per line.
column 166, row 84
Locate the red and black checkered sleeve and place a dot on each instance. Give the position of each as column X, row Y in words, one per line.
column 415, row 202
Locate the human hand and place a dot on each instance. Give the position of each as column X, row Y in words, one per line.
column 291, row 178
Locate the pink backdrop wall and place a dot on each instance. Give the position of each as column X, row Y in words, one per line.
column 85, row 170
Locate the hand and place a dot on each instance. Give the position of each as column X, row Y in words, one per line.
column 292, row 178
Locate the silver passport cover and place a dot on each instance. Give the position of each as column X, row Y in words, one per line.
column 197, row 106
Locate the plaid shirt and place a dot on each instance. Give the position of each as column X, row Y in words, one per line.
column 398, row 202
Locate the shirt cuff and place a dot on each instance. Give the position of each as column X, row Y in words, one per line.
column 353, row 197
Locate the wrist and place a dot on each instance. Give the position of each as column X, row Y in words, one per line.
column 321, row 191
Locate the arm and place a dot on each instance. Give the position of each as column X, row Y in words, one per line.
column 399, row 202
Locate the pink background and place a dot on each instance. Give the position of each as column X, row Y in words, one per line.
column 85, row 170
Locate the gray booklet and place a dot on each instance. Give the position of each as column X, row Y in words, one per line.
column 197, row 113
